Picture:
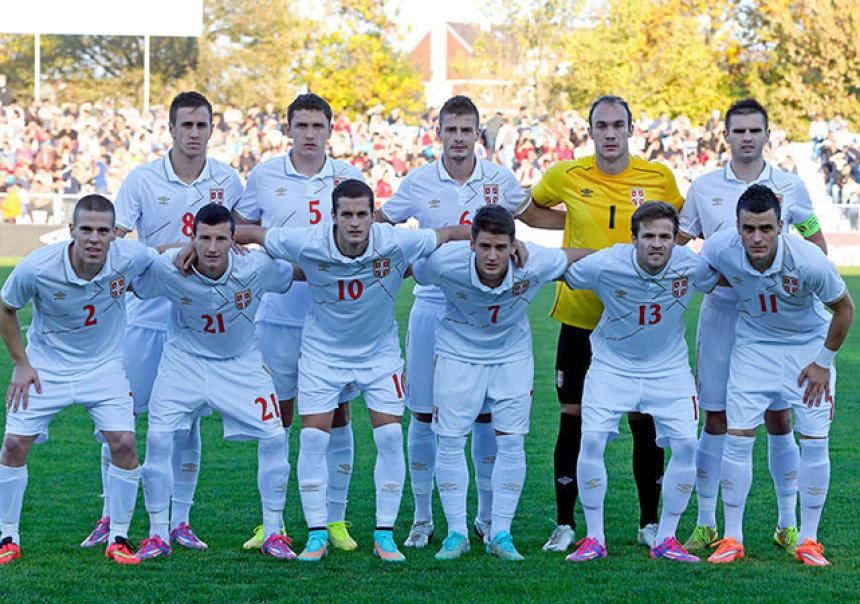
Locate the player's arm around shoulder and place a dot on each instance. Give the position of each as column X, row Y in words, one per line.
column 584, row 272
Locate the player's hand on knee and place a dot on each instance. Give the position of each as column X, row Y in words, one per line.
column 19, row 386
column 817, row 381
column 519, row 253
column 186, row 257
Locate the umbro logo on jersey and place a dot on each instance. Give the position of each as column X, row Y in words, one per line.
column 790, row 285
column 620, row 293
column 737, row 280
column 521, row 287
column 243, row 299
column 434, row 204
column 717, row 201
column 324, row 267
column 216, row 196
column 381, row 267
column 586, row 192
column 59, row 296
column 117, row 286
column 281, row 191
column 637, row 196
column 462, row 296
column 163, row 200
column 185, row 301
column 679, row 287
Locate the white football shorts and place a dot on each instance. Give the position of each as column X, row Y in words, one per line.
column 141, row 351
column 420, row 343
column 715, row 337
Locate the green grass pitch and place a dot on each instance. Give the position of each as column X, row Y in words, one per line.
column 62, row 504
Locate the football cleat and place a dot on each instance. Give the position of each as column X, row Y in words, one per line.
column 9, row 550
column 339, row 537
column 99, row 534
column 502, row 546
column 670, row 548
column 121, row 551
column 647, row 535
column 454, row 546
column 785, row 538
column 589, row 549
column 184, row 536
column 728, row 550
column 561, row 538
column 256, row 542
column 278, row 546
column 152, row 548
column 316, row 548
column 701, row 538
column 420, row 534
column 812, row 553
column 483, row 529
column 384, row 547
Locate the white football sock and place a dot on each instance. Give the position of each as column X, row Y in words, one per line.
column 339, row 459
column 312, row 474
column 784, row 461
column 106, row 461
column 735, row 482
column 484, row 450
column 272, row 476
column 677, row 486
column 186, row 469
column 591, row 479
column 421, row 446
column 122, row 488
column 13, row 483
column 814, row 482
column 509, row 475
column 452, row 480
column 388, row 473
column 709, row 459
column 157, row 481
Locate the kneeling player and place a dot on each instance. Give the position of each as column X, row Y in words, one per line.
column 484, row 357
column 211, row 359
column 640, row 364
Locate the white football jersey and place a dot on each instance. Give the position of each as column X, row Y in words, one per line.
column 77, row 325
column 161, row 207
column 435, row 200
column 278, row 196
column 783, row 305
column 641, row 331
column 215, row 318
column 482, row 324
column 352, row 319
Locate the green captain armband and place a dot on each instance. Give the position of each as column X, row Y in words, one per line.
column 808, row 227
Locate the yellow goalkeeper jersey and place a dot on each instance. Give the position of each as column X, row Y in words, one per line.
column 599, row 208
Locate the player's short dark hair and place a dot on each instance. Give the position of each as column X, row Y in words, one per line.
column 94, row 203
column 758, row 199
column 212, row 214
column 353, row 189
column 653, row 210
column 746, row 107
column 309, row 102
column 459, row 105
column 493, row 219
column 189, row 99
column 613, row 100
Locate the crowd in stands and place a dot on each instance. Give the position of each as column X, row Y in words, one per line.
column 49, row 149
column 836, row 149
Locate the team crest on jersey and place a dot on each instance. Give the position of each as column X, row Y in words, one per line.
column 679, row 286
column 117, row 287
column 521, row 287
column 790, row 285
column 381, row 267
column 216, row 196
column 637, row 196
column 779, row 198
column 337, row 181
column 243, row 299
column 491, row 193
column 163, row 200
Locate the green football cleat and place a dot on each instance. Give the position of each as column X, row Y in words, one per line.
column 339, row 537
column 256, row 542
column 785, row 538
column 702, row 538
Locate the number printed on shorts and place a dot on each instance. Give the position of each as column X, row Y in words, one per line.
column 766, row 301
column 188, row 224
column 494, row 313
column 649, row 314
column 213, row 324
column 352, row 289
column 266, row 414
column 91, row 315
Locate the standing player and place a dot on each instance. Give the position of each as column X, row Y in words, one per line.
column 601, row 193
column 355, row 269
column 72, row 357
column 159, row 199
column 211, row 360
column 443, row 193
column 710, row 207
column 783, row 331
column 295, row 191
column 483, row 358
column 640, row 362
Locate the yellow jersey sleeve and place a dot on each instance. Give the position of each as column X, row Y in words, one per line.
column 599, row 210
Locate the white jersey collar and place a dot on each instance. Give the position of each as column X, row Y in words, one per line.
column 223, row 278
column 643, row 274
column 764, row 176
column 72, row 276
column 778, row 259
column 504, row 286
column 290, row 169
column 170, row 174
column 477, row 172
